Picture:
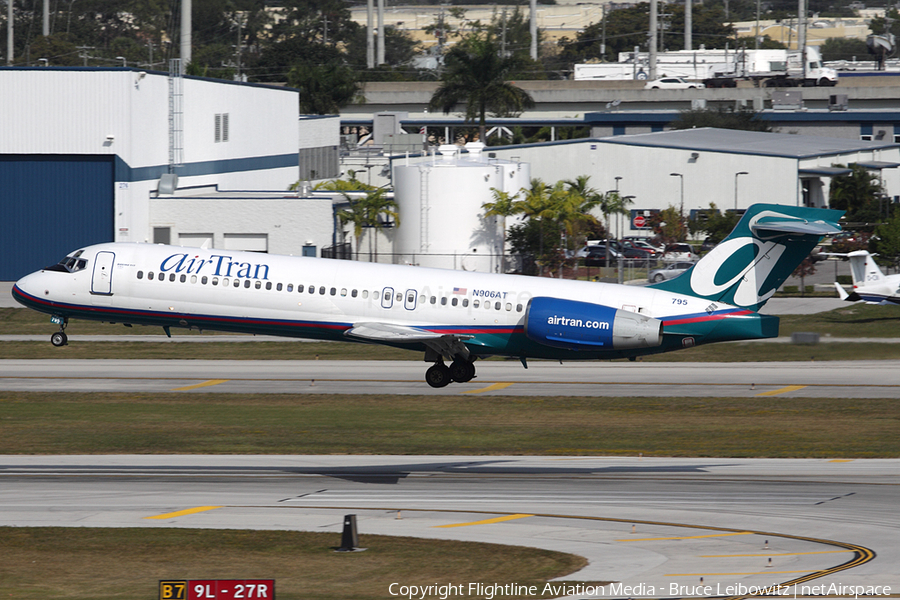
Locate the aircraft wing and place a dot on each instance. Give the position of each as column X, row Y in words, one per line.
column 445, row 344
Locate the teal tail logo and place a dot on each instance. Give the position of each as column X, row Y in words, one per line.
column 768, row 243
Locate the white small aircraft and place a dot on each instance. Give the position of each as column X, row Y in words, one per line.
column 869, row 283
column 456, row 316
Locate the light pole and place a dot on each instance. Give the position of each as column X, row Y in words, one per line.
column 735, row 187
column 681, row 206
column 606, row 202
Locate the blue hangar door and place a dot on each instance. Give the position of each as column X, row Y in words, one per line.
column 51, row 205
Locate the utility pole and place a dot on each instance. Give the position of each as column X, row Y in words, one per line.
column 533, row 30
column 654, row 26
column 380, row 48
column 185, row 34
column 370, row 35
column 603, row 36
column 9, row 32
column 688, row 24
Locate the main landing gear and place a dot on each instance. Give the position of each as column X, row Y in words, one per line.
column 439, row 374
column 60, row 338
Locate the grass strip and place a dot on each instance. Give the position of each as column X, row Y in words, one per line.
column 208, row 423
column 107, row 563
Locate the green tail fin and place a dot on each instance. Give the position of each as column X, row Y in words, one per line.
column 768, row 243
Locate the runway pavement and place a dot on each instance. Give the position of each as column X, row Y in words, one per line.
column 646, row 523
column 834, row 379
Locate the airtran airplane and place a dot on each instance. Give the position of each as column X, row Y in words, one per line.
column 453, row 317
column 869, row 283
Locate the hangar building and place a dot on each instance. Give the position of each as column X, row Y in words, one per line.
column 86, row 153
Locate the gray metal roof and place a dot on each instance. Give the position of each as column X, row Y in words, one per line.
column 734, row 141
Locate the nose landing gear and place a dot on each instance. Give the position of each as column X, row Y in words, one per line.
column 60, row 338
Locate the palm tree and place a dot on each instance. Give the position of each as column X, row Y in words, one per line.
column 585, row 199
column 356, row 214
column 536, row 206
column 618, row 205
column 476, row 74
column 503, row 206
column 378, row 205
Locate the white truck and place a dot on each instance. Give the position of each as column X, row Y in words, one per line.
column 719, row 68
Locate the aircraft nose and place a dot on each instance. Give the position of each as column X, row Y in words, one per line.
column 28, row 288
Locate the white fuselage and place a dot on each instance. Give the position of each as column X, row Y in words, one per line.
column 169, row 279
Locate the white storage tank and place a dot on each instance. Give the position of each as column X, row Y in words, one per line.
column 442, row 222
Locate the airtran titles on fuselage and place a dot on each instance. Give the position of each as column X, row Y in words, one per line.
column 217, row 265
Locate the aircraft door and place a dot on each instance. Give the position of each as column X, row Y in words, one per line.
column 387, row 297
column 409, row 301
column 101, row 280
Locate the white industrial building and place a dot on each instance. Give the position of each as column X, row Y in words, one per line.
column 88, row 155
column 691, row 168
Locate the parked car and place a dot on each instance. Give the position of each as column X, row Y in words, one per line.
column 596, row 256
column 707, row 245
column 640, row 245
column 673, row 83
column 668, row 272
column 637, row 254
column 679, row 252
column 645, row 242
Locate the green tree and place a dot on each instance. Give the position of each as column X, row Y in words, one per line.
column 585, row 199
column 475, row 74
column 721, row 118
column 382, row 212
column 628, row 27
column 668, row 226
column 885, row 242
column 843, row 49
column 372, row 211
column 859, row 193
column 714, row 223
column 503, row 206
column 357, row 215
column 324, row 89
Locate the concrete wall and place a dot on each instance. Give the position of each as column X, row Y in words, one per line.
column 288, row 223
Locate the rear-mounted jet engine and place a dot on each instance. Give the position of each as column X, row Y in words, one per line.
column 584, row 326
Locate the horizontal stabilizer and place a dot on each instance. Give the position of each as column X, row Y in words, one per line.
column 765, row 226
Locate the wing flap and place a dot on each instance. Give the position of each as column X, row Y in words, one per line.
column 389, row 332
column 448, row 345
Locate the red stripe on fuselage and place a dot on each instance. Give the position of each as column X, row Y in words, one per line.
column 702, row 319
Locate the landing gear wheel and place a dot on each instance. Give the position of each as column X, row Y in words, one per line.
column 59, row 339
column 438, row 375
column 462, row 371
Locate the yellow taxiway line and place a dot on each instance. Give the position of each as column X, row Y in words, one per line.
column 485, row 522
column 181, row 513
column 200, row 385
column 491, row 388
column 784, row 390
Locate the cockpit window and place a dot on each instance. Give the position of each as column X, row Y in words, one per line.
column 69, row 264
